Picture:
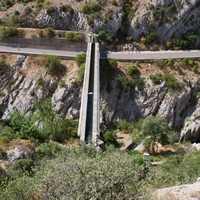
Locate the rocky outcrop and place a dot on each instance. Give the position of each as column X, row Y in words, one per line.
column 183, row 192
column 20, row 87
column 174, row 18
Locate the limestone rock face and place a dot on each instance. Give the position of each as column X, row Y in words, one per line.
column 180, row 20
column 184, row 192
column 20, row 87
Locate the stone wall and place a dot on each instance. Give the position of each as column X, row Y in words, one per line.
column 43, row 43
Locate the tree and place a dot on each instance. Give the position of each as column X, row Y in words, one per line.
column 52, row 63
column 80, row 58
column 158, row 130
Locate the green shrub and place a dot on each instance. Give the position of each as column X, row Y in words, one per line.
column 80, row 58
column 124, row 82
column 8, row 32
column 132, row 70
column 70, row 36
column 171, row 82
column 49, row 33
column 113, row 63
column 187, row 40
column 151, row 37
column 61, row 83
column 89, row 8
column 80, row 73
column 23, row 165
column 2, row 154
column 3, row 65
column 52, row 63
column 40, row 81
column 50, row 10
column 110, row 137
column 156, row 78
column 27, row 10
column 170, row 61
column 48, row 150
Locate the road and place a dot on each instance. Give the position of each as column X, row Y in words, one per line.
column 148, row 55
column 132, row 55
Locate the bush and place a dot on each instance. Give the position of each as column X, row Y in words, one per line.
column 80, row 59
column 40, row 81
column 171, row 82
column 8, row 32
column 170, row 61
column 151, row 37
column 49, row 33
column 90, row 8
column 113, row 63
column 3, row 65
column 124, row 82
column 23, row 165
column 132, row 70
column 50, row 10
column 70, row 36
column 156, row 78
column 48, row 150
column 74, row 37
column 110, row 137
column 52, row 63
column 80, row 73
column 61, row 83
column 2, row 155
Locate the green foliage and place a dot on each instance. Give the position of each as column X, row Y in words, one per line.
column 178, row 170
column 2, row 155
column 61, row 83
column 54, row 127
column 40, row 81
column 151, row 37
column 112, row 63
column 163, row 13
column 105, row 37
column 109, row 137
column 188, row 61
column 80, row 59
column 90, row 8
column 52, row 63
column 156, row 78
column 171, row 82
column 49, row 33
column 48, row 150
column 124, row 126
column 187, row 40
column 8, row 32
column 157, row 129
column 67, row 8
column 27, row 10
column 8, row 132
column 51, row 10
column 22, row 166
column 3, row 65
column 74, row 37
column 80, row 73
column 22, row 126
column 124, row 82
column 170, row 61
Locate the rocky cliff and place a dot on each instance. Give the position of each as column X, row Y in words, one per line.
column 168, row 18
column 20, row 85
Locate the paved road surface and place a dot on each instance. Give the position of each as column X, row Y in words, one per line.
column 148, row 55
column 132, row 55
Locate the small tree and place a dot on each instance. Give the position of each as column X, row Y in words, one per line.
column 52, row 63
column 157, row 129
column 80, row 59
